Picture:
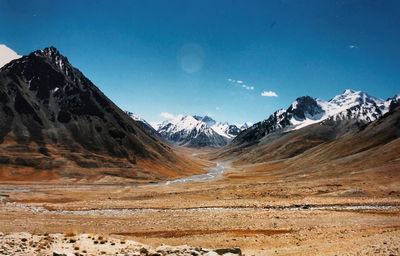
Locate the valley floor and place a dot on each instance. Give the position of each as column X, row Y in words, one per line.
column 259, row 209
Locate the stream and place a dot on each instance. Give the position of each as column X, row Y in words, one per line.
column 213, row 173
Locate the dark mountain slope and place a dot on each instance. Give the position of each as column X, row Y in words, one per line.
column 54, row 117
column 144, row 125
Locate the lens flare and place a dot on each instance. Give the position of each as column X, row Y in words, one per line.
column 191, row 58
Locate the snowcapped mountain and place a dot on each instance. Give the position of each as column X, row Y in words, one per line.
column 355, row 105
column 304, row 111
column 229, row 131
column 245, row 125
column 191, row 132
column 205, row 119
column 393, row 102
column 348, row 105
column 197, row 131
column 7, row 55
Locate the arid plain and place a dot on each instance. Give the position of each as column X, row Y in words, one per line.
column 259, row 208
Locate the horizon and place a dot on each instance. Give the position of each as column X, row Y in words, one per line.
column 239, row 63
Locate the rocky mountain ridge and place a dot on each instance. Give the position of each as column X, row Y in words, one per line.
column 198, row 131
column 304, row 111
column 53, row 117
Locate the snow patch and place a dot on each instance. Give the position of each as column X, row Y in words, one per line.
column 7, row 55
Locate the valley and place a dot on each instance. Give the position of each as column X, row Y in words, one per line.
column 265, row 212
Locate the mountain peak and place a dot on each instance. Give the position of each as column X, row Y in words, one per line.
column 305, row 106
column 304, row 111
column 7, row 55
column 53, row 55
column 50, row 52
column 198, row 118
column 197, row 131
column 245, row 125
column 350, row 98
column 205, row 119
column 348, row 91
column 46, row 101
column 208, row 120
column 305, row 98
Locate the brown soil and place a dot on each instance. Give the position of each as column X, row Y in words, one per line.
column 261, row 208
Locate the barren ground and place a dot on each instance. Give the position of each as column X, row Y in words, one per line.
column 258, row 208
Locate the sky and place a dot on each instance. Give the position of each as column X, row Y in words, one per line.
column 236, row 61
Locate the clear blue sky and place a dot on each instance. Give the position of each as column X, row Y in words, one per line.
column 177, row 56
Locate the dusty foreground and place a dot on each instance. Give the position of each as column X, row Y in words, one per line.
column 88, row 244
column 254, row 208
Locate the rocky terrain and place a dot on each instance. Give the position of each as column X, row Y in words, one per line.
column 260, row 208
column 71, row 244
column 57, row 124
column 355, row 106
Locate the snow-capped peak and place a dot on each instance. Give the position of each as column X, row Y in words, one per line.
column 350, row 98
column 7, row 55
column 350, row 104
column 134, row 117
column 348, row 91
column 137, row 118
column 245, row 125
column 198, row 130
column 208, row 120
column 190, row 131
column 226, row 130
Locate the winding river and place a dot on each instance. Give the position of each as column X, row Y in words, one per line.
column 212, row 174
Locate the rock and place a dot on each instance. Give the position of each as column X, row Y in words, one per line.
column 144, row 251
column 223, row 251
column 211, row 254
column 58, row 254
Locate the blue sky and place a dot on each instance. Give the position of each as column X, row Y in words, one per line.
column 178, row 56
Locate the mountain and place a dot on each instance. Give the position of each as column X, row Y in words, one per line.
column 7, row 55
column 205, row 119
column 191, row 132
column 56, row 119
column 144, row 124
column 226, row 130
column 245, row 125
column 304, row 111
column 197, row 131
column 344, row 153
column 335, row 133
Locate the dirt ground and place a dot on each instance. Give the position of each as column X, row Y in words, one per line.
column 257, row 208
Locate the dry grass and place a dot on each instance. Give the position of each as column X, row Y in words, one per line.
column 70, row 233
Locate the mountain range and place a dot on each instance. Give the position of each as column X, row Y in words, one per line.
column 355, row 106
column 55, row 123
column 54, row 118
column 203, row 131
column 198, row 131
column 351, row 131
